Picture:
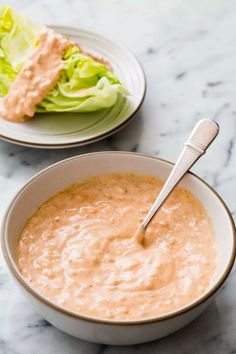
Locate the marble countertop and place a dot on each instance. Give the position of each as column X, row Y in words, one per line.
column 188, row 51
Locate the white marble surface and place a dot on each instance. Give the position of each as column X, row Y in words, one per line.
column 188, row 50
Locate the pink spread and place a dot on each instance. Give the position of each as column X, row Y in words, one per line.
column 79, row 250
column 36, row 78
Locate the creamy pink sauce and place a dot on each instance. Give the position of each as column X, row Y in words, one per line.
column 36, row 78
column 79, row 250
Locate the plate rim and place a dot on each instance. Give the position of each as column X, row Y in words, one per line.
column 101, row 136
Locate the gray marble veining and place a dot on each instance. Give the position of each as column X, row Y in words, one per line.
column 188, row 52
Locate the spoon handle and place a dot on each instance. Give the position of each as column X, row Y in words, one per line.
column 199, row 140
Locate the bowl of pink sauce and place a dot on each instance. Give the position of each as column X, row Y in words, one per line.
column 68, row 240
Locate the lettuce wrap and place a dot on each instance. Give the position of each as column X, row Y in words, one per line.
column 85, row 84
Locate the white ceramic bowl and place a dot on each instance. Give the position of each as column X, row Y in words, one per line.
column 64, row 173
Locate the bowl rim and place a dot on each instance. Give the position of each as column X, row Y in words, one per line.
column 18, row 276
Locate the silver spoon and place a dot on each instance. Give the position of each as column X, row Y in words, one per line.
column 199, row 140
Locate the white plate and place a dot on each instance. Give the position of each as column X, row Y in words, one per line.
column 60, row 130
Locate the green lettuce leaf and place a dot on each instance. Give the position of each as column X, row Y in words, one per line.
column 85, row 85
column 18, row 37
